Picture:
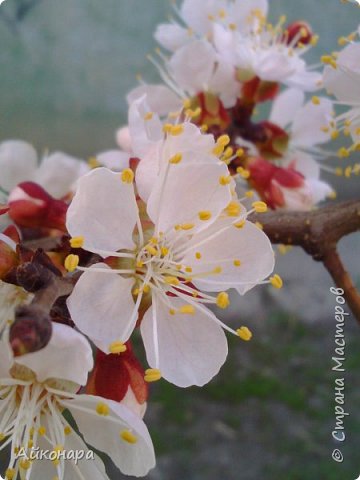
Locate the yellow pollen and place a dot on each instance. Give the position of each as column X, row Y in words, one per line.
column 343, row 152
column 335, row 134
column 237, row 263
column 176, row 130
column 225, row 180
column 204, row 215
column 339, row 172
column 259, row 207
column 229, row 152
column 240, row 224
column 152, row 250
column 30, row 444
column 328, row 60
column 233, row 209
column 93, row 162
column 232, row 26
column 171, row 280
column 188, row 269
column 102, row 409
column 186, row 226
column 193, row 113
column 222, row 300
column 117, row 347
column 187, row 309
column 67, row 430
column 244, row 333
column 243, row 172
column 172, row 311
column 276, row 281
column 315, row 100
column 10, row 473
column 223, row 140
column 139, row 264
column 259, row 225
column 211, row 17
column 2, row 437
column 217, row 270
column 325, row 129
column 240, row 152
column 164, row 251
column 154, row 240
column 176, row 159
column 77, row 242
column 249, row 194
column 222, row 13
column 71, row 262
column 204, row 128
column 25, row 464
column 218, row 150
column 58, row 448
column 152, row 375
column 41, row 431
column 314, row 40
column 149, row 116
column 128, row 437
column 198, row 255
column 127, row 175
column 146, row 288
column 348, row 171
column 187, row 103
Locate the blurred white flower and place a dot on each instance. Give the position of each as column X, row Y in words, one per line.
column 36, row 389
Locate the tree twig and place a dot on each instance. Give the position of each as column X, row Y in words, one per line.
column 318, row 233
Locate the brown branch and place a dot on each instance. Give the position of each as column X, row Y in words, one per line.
column 318, row 233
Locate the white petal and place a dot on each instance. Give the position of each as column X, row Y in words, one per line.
column 160, row 99
column 193, row 65
column 6, row 358
column 103, row 211
column 319, row 190
column 18, row 161
column 91, row 469
column 192, row 348
column 196, row 13
column 144, row 133
column 58, row 173
column 241, row 12
column 68, row 356
column 248, row 244
column 188, row 190
column 115, row 160
column 101, row 306
column 309, row 122
column 123, row 138
column 103, row 433
column 224, row 83
column 171, row 36
column 303, row 163
column 285, row 106
column 306, row 80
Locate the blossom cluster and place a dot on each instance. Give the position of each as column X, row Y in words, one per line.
column 146, row 242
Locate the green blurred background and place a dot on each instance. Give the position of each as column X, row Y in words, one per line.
column 65, row 68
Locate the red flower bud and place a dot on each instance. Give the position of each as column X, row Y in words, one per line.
column 114, row 374
column 31, row 206
column 256, row 90
column 298, row 33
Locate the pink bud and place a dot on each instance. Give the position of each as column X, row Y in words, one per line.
column 31, row 206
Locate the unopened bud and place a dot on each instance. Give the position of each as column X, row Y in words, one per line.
column 33, row 276
column 31, row 330
column 298, row 33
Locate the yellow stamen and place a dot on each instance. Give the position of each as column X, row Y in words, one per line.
column 259, row 207
column 148, row 116
column 127, row 175
column 102, row 409
column 41, row 431
column 176, row 159
column 10, row 473
column 152, row 375
column 243, row 172
column 244, row 333
column 171, row 280
column 223, row 140
column 222, row 300
column 128, row 437
column 276, row 281
column 233, row 209
column 25, row 464
column 315, row 100
column 237, row 263
column 343, row 153
column 187, row 309
column 93, row 162
column 176, row 130
column 67, row 430
column 205, row 215
column 71, row 262
column 77, row 242
column 225, row 180
column 240, row 224
column 152, row 250
column 117, row 347
column 198, row 255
